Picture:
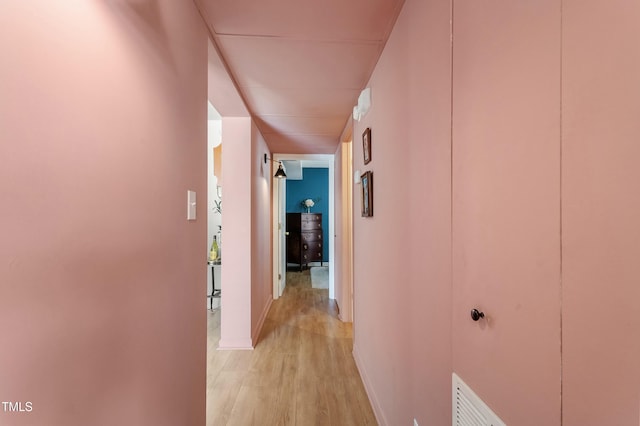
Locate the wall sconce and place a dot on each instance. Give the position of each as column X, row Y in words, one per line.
column 364, row 103
column 280, row 174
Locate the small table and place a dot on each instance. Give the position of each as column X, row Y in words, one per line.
column 215, row 292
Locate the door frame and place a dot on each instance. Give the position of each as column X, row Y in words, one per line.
column 279, row 204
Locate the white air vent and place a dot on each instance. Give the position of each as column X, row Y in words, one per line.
column 469, row 409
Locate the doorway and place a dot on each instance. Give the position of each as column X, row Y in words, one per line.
column 279, row 219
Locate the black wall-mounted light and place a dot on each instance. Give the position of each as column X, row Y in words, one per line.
column 280, row 174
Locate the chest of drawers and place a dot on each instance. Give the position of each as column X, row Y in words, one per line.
column 304, row 238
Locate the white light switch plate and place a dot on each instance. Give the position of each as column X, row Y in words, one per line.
column 191, row 205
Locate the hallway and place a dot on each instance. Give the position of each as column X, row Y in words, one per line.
column 301, row 372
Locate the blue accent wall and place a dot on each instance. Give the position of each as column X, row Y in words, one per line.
column 314, row 184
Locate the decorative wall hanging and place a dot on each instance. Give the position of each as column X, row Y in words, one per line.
column 366, row 183
column 366, row 145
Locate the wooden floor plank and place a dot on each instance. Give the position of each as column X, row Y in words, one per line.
column 220, row 402
column 301, row 372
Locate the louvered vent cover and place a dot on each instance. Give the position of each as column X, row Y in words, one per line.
column 469, row 409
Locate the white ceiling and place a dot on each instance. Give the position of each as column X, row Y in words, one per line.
column 298, row 65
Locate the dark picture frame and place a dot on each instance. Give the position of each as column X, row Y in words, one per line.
column 366, row 184
column 366, row 145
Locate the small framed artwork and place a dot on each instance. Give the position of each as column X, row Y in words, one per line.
column 366, row 182
column 366, row 145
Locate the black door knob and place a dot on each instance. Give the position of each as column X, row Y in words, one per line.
column 476, row 314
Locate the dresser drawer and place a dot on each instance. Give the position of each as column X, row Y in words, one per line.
column 310, row 225
column 311, row 236
column 310, row 217
column 312, row 246
column 311, row 256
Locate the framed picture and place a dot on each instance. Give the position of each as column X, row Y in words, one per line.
column 366, row 145
column 366, row 182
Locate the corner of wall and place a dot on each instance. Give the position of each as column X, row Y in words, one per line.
column 260, row 324
column 369, row 388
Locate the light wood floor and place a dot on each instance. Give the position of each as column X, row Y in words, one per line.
column 300, row 373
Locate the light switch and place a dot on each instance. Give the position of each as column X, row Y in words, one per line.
column 191, row 205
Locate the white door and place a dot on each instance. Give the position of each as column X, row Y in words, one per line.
column 279, row 243
column 282, row 227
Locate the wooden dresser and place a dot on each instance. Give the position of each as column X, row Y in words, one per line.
column 304, row 238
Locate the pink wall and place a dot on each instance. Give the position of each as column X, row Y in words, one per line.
column 103, row 124
column 429, row 209
column 246, row 272
column 261, row 261
column 380, row 278
column 402, row 267
column 506, row 206
column 526, row 210
column 600, row 207
column 237, row 163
